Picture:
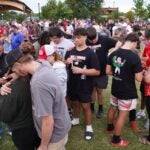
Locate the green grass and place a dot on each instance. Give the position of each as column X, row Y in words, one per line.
column 100, row 140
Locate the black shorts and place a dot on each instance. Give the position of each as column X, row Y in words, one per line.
column 80, row 90
column 101, row 82
column 81, row 97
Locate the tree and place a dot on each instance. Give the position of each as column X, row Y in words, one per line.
column 56, row 9
column 139, row 9
column 114, row 15
column 148, row 11
column 85, row 8
column 63, row 11
column 130, row 15
column 49, row 10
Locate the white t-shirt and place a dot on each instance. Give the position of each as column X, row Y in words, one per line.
column 64, row 46
column 69, row 29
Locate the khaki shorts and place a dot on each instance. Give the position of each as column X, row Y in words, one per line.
column 125, row 105
column 59, row 145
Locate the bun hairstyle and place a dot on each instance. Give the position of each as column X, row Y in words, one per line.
column 57, row 56
column 27, row 48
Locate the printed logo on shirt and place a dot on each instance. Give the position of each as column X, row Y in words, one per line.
column 61, row 51
column 77, row 59
column 118, row 63
column 95, row 47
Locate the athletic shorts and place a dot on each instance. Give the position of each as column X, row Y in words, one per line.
column 81, row 97
column 122, row 104
column 101, row 82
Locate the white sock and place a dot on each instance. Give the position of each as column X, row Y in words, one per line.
column 75, row 121
column 89, row 128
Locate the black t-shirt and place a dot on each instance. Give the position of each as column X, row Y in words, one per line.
column 83, row 59
column 16, row 108
column 101, row 48
column 125, row 64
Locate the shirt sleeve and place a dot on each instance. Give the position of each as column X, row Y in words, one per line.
column 67, row 55
column 137, row 65
column 109, row 59
column 110, row 42
column 21, row 38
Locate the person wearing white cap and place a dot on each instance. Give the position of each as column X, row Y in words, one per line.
column 47, row 52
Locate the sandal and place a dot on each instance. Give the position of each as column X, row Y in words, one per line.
column 88, row 135
column 144, row 140
column 122, row 143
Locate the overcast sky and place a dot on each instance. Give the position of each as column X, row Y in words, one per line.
column 124, row 5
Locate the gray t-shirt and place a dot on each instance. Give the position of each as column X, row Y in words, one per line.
column 48, row 100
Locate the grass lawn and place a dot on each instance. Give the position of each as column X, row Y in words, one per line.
column 100, row 140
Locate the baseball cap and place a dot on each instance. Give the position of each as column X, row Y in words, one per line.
column 45, row 51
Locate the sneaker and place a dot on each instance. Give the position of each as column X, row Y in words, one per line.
column 9, row 133
column 140, row 115
column 75, row 121
column 146, row 126
column 122, row 143
column 99, row 114
column 134, row 126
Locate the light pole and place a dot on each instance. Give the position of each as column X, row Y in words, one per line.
column 39, row 9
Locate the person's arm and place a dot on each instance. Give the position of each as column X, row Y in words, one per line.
column 118, row 45
column 139, row 76
column 47, row 129
column 88, row 72
column 109, row 70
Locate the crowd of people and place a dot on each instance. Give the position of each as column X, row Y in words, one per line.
column 50, row 70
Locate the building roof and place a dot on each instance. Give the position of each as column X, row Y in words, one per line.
column 6, row 5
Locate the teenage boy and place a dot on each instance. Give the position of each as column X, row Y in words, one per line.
column 83, row 65
column 61, row 44
column 125, row 66
column 101, row 46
